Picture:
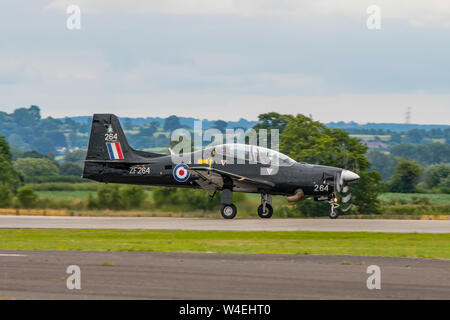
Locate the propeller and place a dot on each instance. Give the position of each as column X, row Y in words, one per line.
column 342, row 179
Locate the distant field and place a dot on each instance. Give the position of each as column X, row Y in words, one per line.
column 329, row 243
column 433, row 198
column 72, row 195
column 367, row 137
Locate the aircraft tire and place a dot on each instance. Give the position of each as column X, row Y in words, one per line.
column 334, row 213
column 267, row 214
column 228, row 211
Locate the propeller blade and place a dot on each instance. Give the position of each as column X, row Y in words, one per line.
column 338, row 183
column 347, row 209
column 345, row 189
column 346, row 198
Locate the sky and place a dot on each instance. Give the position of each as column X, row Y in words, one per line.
column 228, row 59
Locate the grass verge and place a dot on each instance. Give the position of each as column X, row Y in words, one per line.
column 328, row 243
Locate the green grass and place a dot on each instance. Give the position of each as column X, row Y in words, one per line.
column 328, row 243
column 438, row 198
column 72, row 195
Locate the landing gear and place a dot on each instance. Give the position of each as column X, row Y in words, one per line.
column 267, row 213
column 334, row 213
column 265, row 210
column 228, row 211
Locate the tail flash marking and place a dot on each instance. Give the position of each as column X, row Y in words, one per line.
column 115, row 150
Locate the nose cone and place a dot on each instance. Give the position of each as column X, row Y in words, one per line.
column 349, row 176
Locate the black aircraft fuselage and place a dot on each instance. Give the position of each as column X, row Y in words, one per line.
column 224, row 168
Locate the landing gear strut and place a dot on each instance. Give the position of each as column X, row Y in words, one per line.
column 334, row 213
column 228, row 209
column 265, row 210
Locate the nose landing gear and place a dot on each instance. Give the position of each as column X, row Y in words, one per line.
column 334, row 213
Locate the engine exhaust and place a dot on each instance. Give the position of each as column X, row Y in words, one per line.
column 297, row 197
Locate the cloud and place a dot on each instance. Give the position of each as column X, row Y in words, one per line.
column 51, row 67
column 418, row 13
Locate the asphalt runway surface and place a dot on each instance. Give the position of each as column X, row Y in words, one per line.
column 165, row 223
column 133, row 275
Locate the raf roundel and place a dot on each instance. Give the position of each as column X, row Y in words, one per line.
column 181, row 173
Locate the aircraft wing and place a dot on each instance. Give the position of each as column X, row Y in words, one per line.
column 212, row 179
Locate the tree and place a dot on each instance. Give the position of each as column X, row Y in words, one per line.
column 31, row 168
column 431, row 153
column 26, row 197
column 414, row 136
column 172, row 123
column 5, row 196
column 382, row 162
column 220, row 125
column 406, row 176
column 272, row 121
column 71, row 169
column 33, row 154
column 149, row 130
column 27, row 117
column 75, row 156
column 5, row 150
column 9, row 177
column 310, row 141
column 437, row 175
column 396, row 137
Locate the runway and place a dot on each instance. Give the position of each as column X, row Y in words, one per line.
column 164, row 223
column 131, row 275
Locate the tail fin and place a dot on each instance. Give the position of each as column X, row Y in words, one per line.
column 108, row 142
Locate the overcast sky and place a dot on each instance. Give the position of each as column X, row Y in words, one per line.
column 228, row 59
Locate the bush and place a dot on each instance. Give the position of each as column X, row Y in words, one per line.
column 108, row 196
column 311, row 208
column 71, row 169
column 26, row 197
column 5, row 196
column 65, row 186
column 188, row 198
column 115, row 198
column 92, row 202
column 132, row 196
column 49, row 179
column 420, row 200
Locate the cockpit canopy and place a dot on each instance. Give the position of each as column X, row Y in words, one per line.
column 250, row 154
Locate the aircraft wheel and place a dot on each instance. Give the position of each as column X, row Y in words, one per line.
column 267, row 214
column 334, row 213
column 228, row 211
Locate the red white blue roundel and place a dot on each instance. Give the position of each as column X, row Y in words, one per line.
column 181, row 173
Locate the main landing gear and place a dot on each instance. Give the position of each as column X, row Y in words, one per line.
column 229, row 210
column 265, row 210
